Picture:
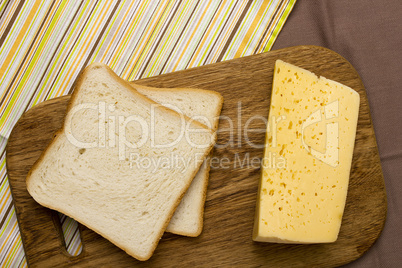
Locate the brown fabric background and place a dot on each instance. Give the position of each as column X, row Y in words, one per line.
column 367, row 33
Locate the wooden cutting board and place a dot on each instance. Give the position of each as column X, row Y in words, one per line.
column 245, row 84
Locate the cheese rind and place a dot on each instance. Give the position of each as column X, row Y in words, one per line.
column 307, row 159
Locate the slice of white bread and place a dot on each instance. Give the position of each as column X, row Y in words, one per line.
column 88, row 173
column 204, row 106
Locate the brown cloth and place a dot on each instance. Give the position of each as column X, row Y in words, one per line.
column 369, row 35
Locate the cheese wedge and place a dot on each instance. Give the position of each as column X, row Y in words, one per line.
column 307, row 160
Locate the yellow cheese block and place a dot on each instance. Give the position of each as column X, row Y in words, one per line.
column 307, row 160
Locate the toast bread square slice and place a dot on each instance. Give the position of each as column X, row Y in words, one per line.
column 121, row 162
column 204, row 106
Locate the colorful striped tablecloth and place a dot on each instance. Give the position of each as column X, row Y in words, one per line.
column 45, row 44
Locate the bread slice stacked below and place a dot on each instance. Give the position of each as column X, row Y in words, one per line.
column 113, row 167
column 204, row 106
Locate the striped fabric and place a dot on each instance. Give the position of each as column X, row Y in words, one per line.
column 45, row 44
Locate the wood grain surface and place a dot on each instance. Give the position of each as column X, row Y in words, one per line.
column 245, row 84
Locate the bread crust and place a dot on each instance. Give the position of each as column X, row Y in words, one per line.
column 126, row 85
column 134, row 84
